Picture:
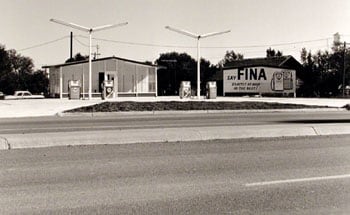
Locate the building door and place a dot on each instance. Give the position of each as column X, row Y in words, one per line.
column 101, row 78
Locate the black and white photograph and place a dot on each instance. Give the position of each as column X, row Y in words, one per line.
column 175, row 107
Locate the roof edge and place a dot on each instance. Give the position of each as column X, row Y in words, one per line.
column 260, row 62
column 287, row 59
column 260, row 65
column 99, row 59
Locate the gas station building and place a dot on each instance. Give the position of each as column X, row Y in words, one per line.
column 128, row 78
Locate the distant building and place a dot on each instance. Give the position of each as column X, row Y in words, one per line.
column 275, row 76
column 130, row 78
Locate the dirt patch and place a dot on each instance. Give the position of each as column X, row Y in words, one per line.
column 183, row 106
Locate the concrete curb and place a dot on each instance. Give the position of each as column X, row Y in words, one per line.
column 36, row 140
column 92, row 114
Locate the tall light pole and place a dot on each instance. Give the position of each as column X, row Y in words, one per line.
column 89, row 30
column 344, row 69
column 198, row 37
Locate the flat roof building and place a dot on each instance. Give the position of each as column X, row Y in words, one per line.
column 129, row 77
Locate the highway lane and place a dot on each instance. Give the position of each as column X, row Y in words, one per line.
column 302, row 175
column 129, row 121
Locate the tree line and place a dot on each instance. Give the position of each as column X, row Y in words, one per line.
column 325, row 74
column 17, row 73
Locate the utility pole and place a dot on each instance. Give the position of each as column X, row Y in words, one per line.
column 96, row 54
column 71, row 45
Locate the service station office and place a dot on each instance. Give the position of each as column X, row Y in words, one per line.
column 127, row 78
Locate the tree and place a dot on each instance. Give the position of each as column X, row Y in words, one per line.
column 16, row 73
column 336, row 62
column 5, row 65
column 23, row 67
column 38, row 82
column 308, row 75
column 176, row 67
column 230, row 56
column 272, row 53
column 148, row 62
column 77, row 57
column 322, row 72
column 207, row 73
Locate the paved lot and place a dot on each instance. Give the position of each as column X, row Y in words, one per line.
column 39, row 107
column 50, row 107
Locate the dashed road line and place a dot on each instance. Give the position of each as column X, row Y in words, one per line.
column 297, row 180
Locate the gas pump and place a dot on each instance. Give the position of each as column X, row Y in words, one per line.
column 185, row 89
column 108, row 89
column 211, row 89
column 74, row 89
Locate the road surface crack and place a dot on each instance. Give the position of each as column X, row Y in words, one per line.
column 315, row 130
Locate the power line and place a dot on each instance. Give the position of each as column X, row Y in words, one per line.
column 81, row 43
column 43, row 44
column 269, row 45
column 209, row 47
column 139, row 44
column 174, row 46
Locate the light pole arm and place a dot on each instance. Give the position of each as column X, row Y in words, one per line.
column 104, row 27
column 72, row 25
column 187, row 33
column 214, row 34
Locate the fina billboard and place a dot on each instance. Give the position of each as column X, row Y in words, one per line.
column 259, row 80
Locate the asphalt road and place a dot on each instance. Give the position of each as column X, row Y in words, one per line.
column 140, row 121
column 302, row 175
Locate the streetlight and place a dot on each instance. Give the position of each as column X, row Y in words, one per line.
column 197, row 36
column 90, row 30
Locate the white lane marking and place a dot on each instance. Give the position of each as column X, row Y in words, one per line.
column 264, row 183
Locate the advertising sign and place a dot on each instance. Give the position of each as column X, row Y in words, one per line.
column 259, row 80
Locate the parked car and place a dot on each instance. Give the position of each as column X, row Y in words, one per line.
column 2, row 95
column 24, row 95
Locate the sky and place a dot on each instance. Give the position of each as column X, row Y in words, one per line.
column 286, row 25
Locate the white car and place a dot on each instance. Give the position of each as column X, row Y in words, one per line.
column 24, row 95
